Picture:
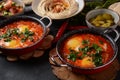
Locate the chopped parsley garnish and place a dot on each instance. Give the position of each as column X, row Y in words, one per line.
column 92, row 50
column 7, row 40
column 101, row 42
column 73, row 55
column 16, row 32
column 85, row 42
column 97, row 59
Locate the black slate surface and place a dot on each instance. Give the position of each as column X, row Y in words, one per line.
column 34, row 69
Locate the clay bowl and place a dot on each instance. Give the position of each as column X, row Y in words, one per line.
column 27, row 49
column 85, row 70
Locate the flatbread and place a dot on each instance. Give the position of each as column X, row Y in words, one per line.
column 115, row 7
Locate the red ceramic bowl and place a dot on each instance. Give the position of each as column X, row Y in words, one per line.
column 24, row 50
column 86, row 70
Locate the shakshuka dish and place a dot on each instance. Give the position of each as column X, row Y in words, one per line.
column 20, row 34
column 86, row 50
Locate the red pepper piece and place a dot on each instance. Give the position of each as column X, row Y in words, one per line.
column 60, row 31
column 76, row 27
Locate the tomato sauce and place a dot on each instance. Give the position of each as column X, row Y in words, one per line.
column 87, row 50
column 20, row 34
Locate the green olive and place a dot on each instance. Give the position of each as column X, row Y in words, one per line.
column 110, row 21
column 107, row 16
column 99, row 17
column 106, row 25
column 102, row 20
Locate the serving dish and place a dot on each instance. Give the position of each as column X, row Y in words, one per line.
column 35, row 5
column 99, row 13
column 27, row 49
column 77, row 68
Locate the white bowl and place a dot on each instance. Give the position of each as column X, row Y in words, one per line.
column 35, row 4
column 95, row 12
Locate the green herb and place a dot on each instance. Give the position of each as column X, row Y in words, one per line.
column 1, row 37
column 1, row 6
column 28, row 33
column 23, row 39
column 73, row 55
column 108, row 3
column 5, row 13
column 6, row 35
column 7, row 40
column 85, row 49
column 31, row 39
column 101, row 42
column 97, row 48
column 97, row 59
column 13, row 3
column 10, row 32
column 85, row 42
column 31, row 33
column 15, row 31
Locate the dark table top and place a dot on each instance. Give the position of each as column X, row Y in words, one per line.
column 34, row 69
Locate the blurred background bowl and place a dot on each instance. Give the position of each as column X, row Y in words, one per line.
column 93, row 13
column 18, row 3
column 35, row 4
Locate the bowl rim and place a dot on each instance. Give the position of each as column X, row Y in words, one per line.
column 112, row 42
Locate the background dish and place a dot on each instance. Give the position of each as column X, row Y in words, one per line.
column 35, row 4
column 17, row 3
